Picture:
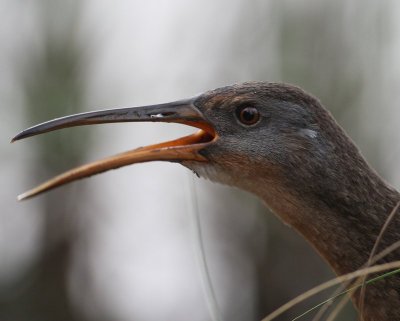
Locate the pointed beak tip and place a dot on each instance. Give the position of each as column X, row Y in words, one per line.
column 21, row 197
column 17, row 137
column 26, row 195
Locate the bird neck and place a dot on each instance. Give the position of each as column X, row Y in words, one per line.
column 343, row 224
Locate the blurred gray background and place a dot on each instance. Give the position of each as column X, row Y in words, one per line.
column 122, row 245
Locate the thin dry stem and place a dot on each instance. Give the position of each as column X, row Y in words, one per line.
column 330, row 283
column 332, row 316
column 376, row 258
column 372, row 254
column 371, row 260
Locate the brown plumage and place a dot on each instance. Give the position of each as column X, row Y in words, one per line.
column 281, row 144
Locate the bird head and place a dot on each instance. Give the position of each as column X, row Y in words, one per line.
column 249, row 134
column 263, row 132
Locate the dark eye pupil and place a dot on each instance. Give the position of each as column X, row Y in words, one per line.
column 249, row 115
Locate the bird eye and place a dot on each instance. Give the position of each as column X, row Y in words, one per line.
column 248, row 115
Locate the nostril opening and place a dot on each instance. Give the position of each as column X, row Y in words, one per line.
column 161, row 115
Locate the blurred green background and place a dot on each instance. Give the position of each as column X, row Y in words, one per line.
column 121, row 246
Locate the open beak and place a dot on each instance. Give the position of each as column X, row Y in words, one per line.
column 183, row 149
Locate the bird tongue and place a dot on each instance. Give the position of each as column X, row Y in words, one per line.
column 183, row 149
